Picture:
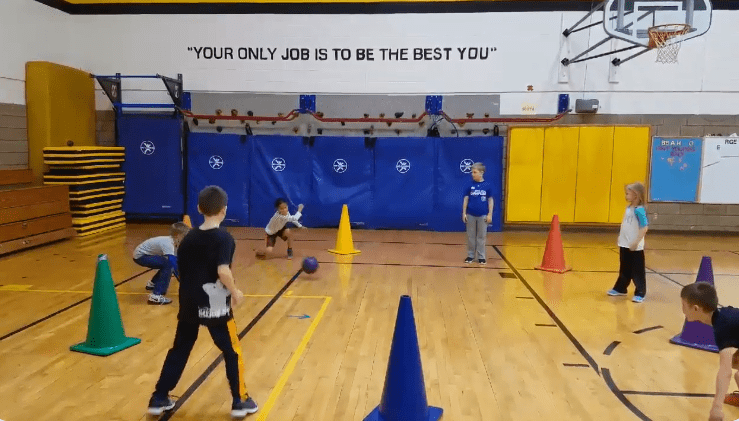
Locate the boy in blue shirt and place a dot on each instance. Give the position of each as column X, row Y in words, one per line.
column 477, row 213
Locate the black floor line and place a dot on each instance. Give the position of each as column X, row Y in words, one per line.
column 647, row 329
column 678, row 394
column 693, row 273
column 318, row 240
column 34, row 323
column 577, row 271
column 554, row 317
column 620, row 395
column 609, row 349
column 668, row 278
column 200, row 380
column 471, row 266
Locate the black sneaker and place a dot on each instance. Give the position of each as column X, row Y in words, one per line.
column 150, row 286
column 289, row 253
column 469, row 260
column 482, row 261
column 241, row 409
column 158, row 406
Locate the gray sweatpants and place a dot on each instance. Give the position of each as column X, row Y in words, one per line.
column 477, row 230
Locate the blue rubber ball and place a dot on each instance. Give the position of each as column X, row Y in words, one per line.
column 310, row 265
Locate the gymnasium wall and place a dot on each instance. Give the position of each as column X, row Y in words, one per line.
column 28, row 31
column 521, row 49
column 689, row 99
column 13, row 137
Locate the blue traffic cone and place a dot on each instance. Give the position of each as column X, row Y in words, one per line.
column 404, row 394
column 696, row 334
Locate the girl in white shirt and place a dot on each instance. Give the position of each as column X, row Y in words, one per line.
column 631, row 244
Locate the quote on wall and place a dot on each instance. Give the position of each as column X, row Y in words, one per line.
column 343, row 54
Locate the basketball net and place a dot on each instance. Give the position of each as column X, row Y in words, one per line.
column 659, row 37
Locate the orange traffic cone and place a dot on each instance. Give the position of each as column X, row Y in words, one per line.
column 554, row 254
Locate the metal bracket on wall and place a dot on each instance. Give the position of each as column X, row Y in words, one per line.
column 433, row 104
column 307, row 104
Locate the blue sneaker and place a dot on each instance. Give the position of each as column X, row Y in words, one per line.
column 158, row 406
column 637, row 299
column 614, row 293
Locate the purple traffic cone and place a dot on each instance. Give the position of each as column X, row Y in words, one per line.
column 696, row 334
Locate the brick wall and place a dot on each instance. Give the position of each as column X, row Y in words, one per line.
column 693, row 217
column 13, row 137
column 105, row 128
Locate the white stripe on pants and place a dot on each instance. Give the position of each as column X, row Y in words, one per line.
column 477, row 230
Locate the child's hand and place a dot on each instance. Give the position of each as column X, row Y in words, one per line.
column 464, row 218
column 303, row 227
column 488, row 219
column 717, row 414
column 300, row 207
column 632, row 247
column 237, row 298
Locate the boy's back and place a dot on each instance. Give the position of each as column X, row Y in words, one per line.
column 203, row 298
column 155, row 246
column 726, row 327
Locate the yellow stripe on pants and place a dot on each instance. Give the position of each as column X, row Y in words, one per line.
column 237, row 347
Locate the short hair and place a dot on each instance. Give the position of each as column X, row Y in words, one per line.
column 701, row 294
column 178, row 228
column 279, row 201
column 478, row 166
column 212, row 200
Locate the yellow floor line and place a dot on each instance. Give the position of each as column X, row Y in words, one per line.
column 142, row 293
column 292, row 363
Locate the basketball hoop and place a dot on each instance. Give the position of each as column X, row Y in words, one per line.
column 659, row 37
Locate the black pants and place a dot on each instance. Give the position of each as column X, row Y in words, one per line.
column 632, row 267
column 225, row 338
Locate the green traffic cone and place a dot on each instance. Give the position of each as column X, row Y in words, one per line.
column 105, row 335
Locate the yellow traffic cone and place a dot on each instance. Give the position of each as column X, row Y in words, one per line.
column 344, row 243
column 186, row 221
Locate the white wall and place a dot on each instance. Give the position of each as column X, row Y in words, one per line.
column 29, row 31
column 529, row 49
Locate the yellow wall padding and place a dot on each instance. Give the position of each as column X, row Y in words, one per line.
column 523, row 188
column 577, row 173
column 630, row 163
column 559, row 173
column 60, row 105
column 595, row 156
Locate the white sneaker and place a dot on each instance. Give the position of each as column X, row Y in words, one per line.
column 158, row 300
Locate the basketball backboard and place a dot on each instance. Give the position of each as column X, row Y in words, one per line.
column 630, row 20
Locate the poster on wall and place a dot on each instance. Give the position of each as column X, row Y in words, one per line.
column 675, row 169
column 720, row 170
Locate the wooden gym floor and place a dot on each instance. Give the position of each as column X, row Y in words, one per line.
column 500, row 342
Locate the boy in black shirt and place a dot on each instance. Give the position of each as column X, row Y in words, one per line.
column 700, row 303
column 207, row 290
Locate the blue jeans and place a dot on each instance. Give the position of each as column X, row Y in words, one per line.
column 162, row 277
